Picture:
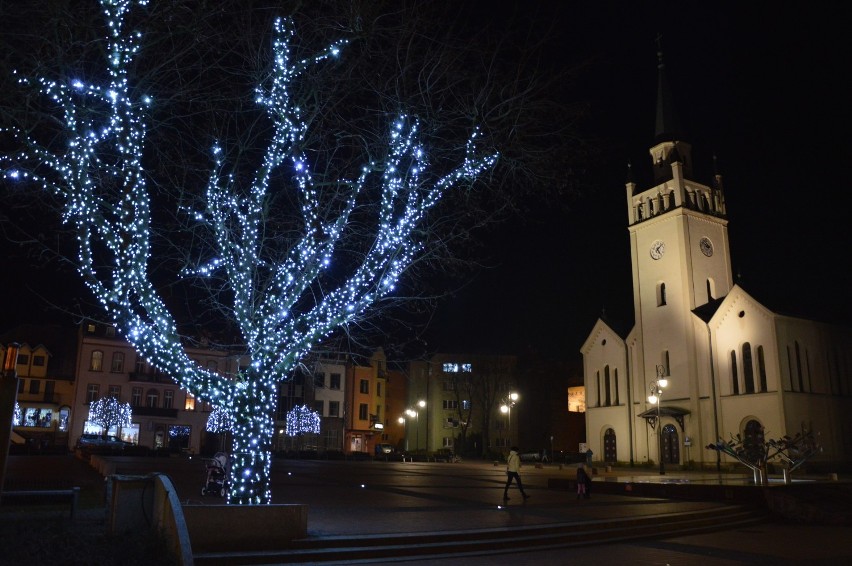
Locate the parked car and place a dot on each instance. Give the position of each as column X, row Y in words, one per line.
column 97, row 441
column 384, row 449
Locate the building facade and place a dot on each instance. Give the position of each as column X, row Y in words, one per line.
column 732, row 365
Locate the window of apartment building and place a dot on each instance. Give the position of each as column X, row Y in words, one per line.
column 110, row 331
column 168, row 398
column 152, row 399
column 92, row 391
column 97, row 361
column 378, row 388
column 117, row 362
column 319, row 406
column 450, row 422
column 23, row 359
column 448, row 385
column 447, row 442
column 115, row 391
column 334, row 381
column 334, row 408
column 189, row 404
column 35, row 386
column 466, row 404
column 90, row 328
column 450, row 404
column 21, row 385
column 136, row 397
column 38, row 361
column 362, row 411
column 365, row 386
column 319, row 379
column 140, row 364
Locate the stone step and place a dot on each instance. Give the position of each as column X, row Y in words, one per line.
column 387, row 547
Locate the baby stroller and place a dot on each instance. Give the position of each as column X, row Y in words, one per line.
column 216, row 475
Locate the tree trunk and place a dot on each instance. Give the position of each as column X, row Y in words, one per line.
column 251, row 462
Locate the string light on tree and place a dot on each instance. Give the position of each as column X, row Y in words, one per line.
column 108, row 412
column 276, row 303
column 302, row 420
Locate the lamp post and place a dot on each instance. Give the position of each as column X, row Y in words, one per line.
column 404, row 424
column 506, row 408
column 656, row 398
column 422, row 404
column 416, row 416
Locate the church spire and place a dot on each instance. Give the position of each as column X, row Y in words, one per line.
column 667, row 126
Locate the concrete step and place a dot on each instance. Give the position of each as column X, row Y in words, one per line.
column 388, row 547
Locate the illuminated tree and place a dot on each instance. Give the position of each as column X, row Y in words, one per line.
column 107, row 412
column 17, row 416
column 220, row 420
column 302, row 420
column 283, row 287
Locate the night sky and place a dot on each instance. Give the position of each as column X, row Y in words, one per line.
column 763, row 87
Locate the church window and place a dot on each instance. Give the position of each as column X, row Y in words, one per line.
column 748, row 369
column 789, row 370
column 761, row 369
column 735, row 379
column 801, row 381
column 661, row 294
column 808, row 368
column 615, row 385
column 666, row 363
column 607, row 388
column 598, row 399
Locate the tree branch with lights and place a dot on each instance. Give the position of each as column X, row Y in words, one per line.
column 282, row 300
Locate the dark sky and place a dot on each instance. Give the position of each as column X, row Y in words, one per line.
column 763, row 86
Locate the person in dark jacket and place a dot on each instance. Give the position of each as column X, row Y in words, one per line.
column 584, row 482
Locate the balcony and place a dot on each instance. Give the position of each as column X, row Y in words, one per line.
column 142, row 411
column 146, row 377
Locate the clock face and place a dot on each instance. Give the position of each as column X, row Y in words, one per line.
column 658, row 248
column 706, row 246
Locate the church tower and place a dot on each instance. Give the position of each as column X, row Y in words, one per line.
column 680, row 258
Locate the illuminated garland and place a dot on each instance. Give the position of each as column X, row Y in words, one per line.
column 107, row 412
column 102, row 181
column 302, row 420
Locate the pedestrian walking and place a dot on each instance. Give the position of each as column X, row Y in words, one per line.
column 513, row 467
column 584, row 482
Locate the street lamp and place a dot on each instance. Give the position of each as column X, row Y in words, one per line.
column 506, row 408
column 656, row 398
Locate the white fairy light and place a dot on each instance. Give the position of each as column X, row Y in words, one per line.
column 114, row 219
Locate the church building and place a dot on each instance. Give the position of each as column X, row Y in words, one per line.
column 730, row 365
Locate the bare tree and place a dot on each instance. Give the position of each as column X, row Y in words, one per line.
column 492, row 379
column 285, row 283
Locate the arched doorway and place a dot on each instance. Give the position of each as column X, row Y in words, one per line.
column 671, row 445
column 610, row 452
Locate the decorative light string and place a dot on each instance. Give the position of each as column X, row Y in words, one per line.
column 100, row 176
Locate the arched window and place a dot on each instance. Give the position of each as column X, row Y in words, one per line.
column 748, row 369
column 801, row 379
column 615, row 385
column 97, row 361
column 598, row 399
column 666, row 363
column 661, row 298
column 735, row 378
column 761, row 369
column 607, row 392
